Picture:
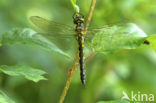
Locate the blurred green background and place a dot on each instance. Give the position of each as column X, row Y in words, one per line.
column 107, row 75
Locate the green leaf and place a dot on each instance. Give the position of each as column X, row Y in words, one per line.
column 75, row 6
column 117, row 37
column 152, row 40
column 4, row 98
column 26, row 71
column 28, row 36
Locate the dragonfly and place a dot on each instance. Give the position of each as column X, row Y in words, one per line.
column 52, row 29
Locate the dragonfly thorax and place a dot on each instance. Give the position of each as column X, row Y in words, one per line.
column 78, row 19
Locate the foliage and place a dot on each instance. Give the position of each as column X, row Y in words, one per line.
column 152, row 40
column 4, row 98
column 107, row 39
column 26, row 71
column 28, row 36
column 130, row 68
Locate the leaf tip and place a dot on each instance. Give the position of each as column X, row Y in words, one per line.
column 33, row 18
column 37, row 80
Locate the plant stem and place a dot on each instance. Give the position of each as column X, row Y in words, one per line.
column 71, row 73
column 69, row 79
column 89, row 16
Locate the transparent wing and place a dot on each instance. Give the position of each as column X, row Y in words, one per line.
column 104, row 38
column 52, row 28
column 56, row 30
column 106, row 30
column 113, row 37
column 56, row 36
column 61, row 35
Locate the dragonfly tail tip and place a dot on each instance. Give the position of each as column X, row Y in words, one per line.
column 83, row 84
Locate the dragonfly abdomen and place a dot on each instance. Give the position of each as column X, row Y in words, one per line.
column 81, row 60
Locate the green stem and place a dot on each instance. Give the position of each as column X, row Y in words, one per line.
column 90, row 16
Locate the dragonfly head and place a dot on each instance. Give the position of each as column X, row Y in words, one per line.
column 78, row 19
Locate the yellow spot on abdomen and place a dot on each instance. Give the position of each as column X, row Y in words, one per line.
column 84, row 58
column 0, row 44
column 82, row 45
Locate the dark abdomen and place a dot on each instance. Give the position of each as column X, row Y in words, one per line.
column 81, row 59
